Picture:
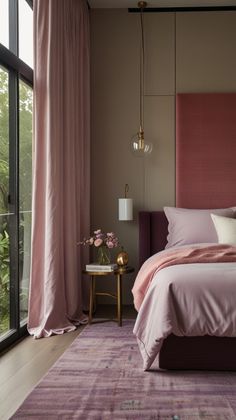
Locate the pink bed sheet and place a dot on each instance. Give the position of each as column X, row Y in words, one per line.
column 193, row 299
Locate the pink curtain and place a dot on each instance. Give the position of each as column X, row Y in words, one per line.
column 61, row 181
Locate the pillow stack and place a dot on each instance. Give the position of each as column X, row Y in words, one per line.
column 191, row 226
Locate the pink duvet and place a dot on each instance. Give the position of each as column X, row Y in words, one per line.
column 185, row 291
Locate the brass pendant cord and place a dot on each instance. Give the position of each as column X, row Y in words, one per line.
column 142, row 60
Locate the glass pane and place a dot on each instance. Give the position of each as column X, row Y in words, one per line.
column 4, row 23
column 4, row 216
column 25, row 32
column 25, row 192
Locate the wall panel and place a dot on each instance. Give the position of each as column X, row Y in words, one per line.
column 159, row 53
column 160, row 166
column 205, row 52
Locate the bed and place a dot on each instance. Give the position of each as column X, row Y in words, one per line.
column 205, row 352
column 205, row 179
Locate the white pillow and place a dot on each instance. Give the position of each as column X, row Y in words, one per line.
column 225, row 229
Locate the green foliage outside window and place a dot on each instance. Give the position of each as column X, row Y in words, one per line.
column 25, row 179
column 4, row 281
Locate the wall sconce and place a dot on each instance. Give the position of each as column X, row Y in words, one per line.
column 139, row 146
column 126, row 206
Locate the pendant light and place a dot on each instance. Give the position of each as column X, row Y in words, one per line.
column 139, row 146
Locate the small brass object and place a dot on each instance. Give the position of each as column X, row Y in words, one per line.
column 142, row 4
column 122, row 258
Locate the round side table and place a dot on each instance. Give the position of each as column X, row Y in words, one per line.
column 118, row 273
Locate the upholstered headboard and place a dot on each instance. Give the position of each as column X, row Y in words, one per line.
column 205, row 162
column 205, row 150
column 153, row 230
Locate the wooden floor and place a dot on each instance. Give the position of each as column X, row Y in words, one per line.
column 22, row 367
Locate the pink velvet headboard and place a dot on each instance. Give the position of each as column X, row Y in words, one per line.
column 206, row 150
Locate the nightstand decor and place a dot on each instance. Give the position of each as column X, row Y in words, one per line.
column 122, row 258
column 99, row 267
column 103, row 255
column 103, row 242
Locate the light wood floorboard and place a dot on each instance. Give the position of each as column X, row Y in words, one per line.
column 24, row 365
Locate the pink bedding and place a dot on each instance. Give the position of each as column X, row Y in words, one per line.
column 185, row 291
column 186, row 255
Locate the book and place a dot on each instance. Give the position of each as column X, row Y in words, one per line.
column 101, row 267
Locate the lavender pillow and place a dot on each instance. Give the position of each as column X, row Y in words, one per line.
column 189, row 226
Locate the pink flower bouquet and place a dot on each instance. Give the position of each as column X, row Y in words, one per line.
column 101, row 239
column 103, row 242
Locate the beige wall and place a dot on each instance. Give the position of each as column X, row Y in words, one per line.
column 185, row 52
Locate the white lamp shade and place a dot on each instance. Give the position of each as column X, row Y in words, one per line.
column 125, row 209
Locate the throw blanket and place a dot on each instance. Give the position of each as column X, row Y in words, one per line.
column 188, row 255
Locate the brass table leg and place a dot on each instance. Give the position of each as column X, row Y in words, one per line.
column 94, row 295
column 91, row 298
column 119, row 299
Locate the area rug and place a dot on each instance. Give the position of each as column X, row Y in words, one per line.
column 100, row 377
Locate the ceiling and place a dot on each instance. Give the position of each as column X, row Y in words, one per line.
column 117, row 4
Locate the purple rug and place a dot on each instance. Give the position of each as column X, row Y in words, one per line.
column 100, row 377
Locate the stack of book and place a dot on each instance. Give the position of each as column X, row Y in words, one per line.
column 101, row 267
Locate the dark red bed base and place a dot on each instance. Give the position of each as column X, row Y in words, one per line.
column 206, row 353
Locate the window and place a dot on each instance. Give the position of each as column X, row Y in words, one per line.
column 4, row 192
column 4, row 23
column 25, row 33
column 16, row 104
column 25, row 190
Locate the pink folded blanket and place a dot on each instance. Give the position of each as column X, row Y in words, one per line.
column 186, row 255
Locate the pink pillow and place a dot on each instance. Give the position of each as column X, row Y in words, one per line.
column 189, row 226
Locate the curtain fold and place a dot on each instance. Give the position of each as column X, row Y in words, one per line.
column 61, row 178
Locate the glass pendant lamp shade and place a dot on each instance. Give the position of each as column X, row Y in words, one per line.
column 139, row 146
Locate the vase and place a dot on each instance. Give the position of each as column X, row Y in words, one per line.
column 103, row 256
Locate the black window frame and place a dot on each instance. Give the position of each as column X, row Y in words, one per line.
column 17, row 70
